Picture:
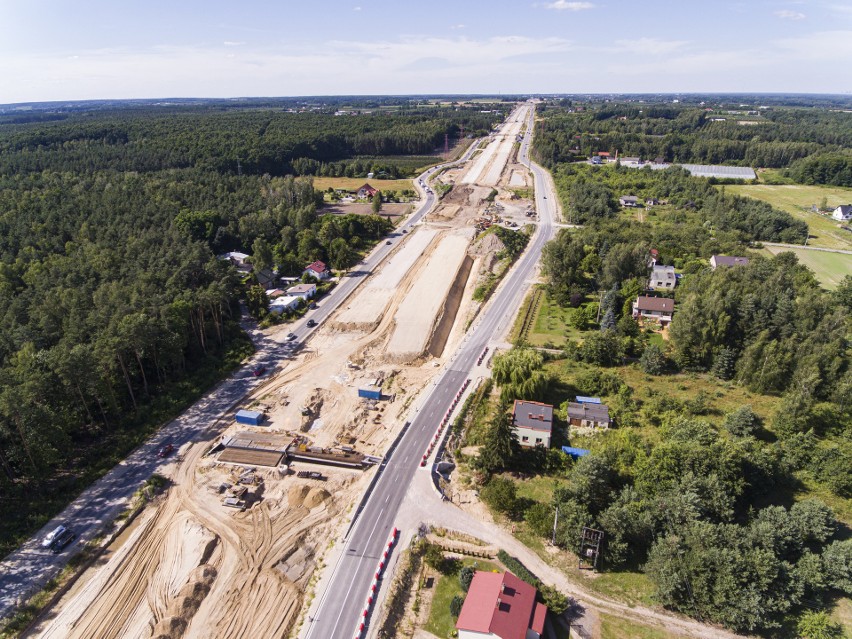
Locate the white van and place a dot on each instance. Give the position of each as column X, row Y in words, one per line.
column 45, row 543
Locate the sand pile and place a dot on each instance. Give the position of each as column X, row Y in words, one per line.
column 487, row 244
column 296, row 496
column 315, row 497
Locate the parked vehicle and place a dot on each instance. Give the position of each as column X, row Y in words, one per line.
column 258, row 371
column 311, row 323
column 291, row 337
column 51, row 536
column 62, row 540
column 165, row 451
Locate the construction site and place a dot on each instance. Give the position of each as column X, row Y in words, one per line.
column 232, row 546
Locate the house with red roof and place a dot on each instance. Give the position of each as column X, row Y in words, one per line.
column 318, row 270
column 500, row 606
column 366, row 191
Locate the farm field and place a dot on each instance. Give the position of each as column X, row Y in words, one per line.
column 829, row 268
column 797, row 200
column 353, row 184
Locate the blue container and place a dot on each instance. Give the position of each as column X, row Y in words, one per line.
column 251, row 417
column 370, row 392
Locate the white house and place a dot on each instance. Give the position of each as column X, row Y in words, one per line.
column 284, row 303
column 658, row 309
column 532, row 423
column 843, row 213
column 662, row 278
column 727, row 260
column 305, row 291
column 237, row 259
column 317, row 270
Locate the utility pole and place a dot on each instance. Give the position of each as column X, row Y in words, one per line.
column 555, row 520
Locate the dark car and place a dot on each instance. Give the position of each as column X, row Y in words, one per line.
column 62, row 540
column 312, row 305
column 165, row 451
column 291, row 337
column 311, row 323
column 258, row 371
column 405, row 230
column 388, row 242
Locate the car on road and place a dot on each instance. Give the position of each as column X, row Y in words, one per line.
column 51, row 536
column 257, row 371
column 312, row 323
column 291, row 337
column 405, row 230
column 165, row 451
column 62, row 540
column 388, row 242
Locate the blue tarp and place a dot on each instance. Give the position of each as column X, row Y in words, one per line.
column 588, row 400
column 575, row 452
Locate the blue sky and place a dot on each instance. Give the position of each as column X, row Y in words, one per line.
column 63, row 50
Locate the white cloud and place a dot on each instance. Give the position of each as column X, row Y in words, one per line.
column 564, row 5
column 356, row 8
column 464, row 65
column 649, row 46
column 233, row 43
column 456, row 27
column 786, row 14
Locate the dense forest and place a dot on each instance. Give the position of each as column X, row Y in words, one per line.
column 722, row 506
column 774, row 137
column 114, row 310
column 252, row 142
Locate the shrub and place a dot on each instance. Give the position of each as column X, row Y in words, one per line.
column 500, row 494
column 465, row 577
column 518, row 569
column 456, row 604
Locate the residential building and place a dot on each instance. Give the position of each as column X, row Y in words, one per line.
column 500, row 606
column 628, row 200
column 272, row 293
column 240, row 260
column 658, row 309
column 318, row 270
column 655, row 256
column 727, row 260
column 662, row 278
column 588, row 415
column 305, row 291
column 651, row 201
column 284, row 303
column 267, row 278
column 366, row 191
column 843, row 213
column 532, row 423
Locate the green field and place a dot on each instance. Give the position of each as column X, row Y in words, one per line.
column 353, row 184
column 797, row 200
column 616, row 628
column 829, row 268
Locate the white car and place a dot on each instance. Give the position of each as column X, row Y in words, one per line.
column 49, row 538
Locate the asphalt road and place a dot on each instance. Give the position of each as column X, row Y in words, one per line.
column 24, row 572
column 341, row 605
